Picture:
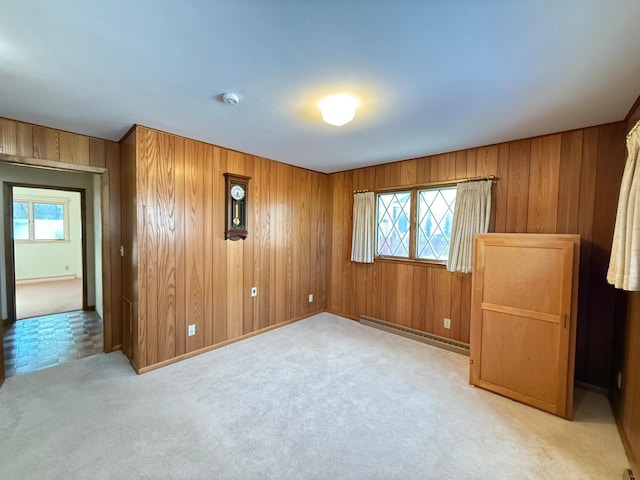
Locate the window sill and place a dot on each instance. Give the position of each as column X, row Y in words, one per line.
column 412, row 261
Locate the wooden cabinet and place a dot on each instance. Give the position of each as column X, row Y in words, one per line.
column 523, row 318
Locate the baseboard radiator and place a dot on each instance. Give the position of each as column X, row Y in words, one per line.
column 428, row 338
column 45, row 279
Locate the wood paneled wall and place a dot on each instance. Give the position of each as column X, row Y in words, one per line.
column 562, row 183
column 189, row 274
column 29, row 144
column 626, row 403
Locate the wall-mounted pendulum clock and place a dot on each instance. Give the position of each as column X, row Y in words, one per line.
column 237, row 207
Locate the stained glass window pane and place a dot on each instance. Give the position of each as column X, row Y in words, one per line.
column 435, row 219
column 393, row 212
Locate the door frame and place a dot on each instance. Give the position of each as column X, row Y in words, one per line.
column 9, row 248
column 107, row 254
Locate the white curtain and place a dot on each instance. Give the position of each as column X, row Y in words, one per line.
column 470, row 216
column 624, row 264
column 362, row 242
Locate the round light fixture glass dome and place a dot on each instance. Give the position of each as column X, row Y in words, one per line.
column 338, row 109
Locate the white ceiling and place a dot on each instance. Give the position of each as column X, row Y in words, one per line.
column 432, row 76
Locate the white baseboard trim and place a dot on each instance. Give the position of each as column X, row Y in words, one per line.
column 45, row 279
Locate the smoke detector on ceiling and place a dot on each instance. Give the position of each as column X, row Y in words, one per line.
column 230, row 98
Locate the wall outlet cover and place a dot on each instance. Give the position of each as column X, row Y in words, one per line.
column 447, row 323
column 310, row 297
column 192, row 330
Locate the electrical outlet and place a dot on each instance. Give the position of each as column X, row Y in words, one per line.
column 254, row 291
column 310, row 297
column 192, row 330
column 447, row 323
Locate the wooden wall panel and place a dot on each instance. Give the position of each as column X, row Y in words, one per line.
column 585, row 229
column 235, row 268
column 518, row 186
column 97, row 154
column 25, row 144
column 74, row 148
column 262, row 230
column 8, row 137
column 628, row 408
column 249, row 320
column 210, row 178
column 569, row 179
column 145, row 331
column 626, row 401
column 165, row 219
column 560, row 183
column 542, row 204
column 46, row 143
column 500, row 190
column 128, row 239
column 610, row 165
column 235, row 301
column 35, row 145
column 194, row 234
column 181, row 282
column 189, row 274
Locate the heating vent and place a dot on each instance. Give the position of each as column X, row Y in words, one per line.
column 45, row 279
column 628, row 475
column 423, row 337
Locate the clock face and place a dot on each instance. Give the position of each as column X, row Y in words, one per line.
column 237, row 192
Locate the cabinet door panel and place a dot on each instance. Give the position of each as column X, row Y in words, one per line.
column 522, row 322
column 538, row 290
column 520, row 354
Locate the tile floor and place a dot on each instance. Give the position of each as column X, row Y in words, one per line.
column 42, row 342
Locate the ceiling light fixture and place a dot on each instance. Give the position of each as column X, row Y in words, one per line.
column 338, row 109
column 230, row 98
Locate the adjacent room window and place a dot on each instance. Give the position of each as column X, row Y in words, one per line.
column 429, row 240
column 21, row 220
column 38, row 220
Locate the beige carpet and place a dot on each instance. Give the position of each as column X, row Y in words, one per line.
column 46, row 298
column 324, row 398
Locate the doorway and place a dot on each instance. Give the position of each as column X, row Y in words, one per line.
column 49, row 250
column 45, row 249
column 59, row 337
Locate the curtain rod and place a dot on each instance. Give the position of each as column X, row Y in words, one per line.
column 431, row 184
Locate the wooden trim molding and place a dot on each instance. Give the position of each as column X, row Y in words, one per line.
column 54, row 164
column 194, row 353
column 633, row 462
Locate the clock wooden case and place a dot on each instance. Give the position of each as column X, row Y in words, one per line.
column 237, row 206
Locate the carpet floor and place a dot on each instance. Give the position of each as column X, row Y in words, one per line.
column 323, row 398
column 46, row 298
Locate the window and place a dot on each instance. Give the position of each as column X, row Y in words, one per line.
column 392, row 232
column 395, row 235
column 38, row 220
column 21, row 220
column 435, row 219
